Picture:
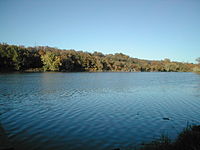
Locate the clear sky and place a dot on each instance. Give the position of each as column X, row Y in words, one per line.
column 146, row 29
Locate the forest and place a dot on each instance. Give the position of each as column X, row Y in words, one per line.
column 44, row 58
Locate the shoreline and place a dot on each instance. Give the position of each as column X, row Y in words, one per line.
column 42, row 71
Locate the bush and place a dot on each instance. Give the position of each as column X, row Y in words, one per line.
column 188, row 139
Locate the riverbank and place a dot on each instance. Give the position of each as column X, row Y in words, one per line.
column 41, row 70
column 188, row 139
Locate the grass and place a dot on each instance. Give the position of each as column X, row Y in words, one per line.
column 188, row 139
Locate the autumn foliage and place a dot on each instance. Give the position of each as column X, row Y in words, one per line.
column 44, row 58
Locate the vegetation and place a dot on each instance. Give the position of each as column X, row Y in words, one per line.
column 198, row 60
column 188, row 139
column 44, row 58
column 197, row 68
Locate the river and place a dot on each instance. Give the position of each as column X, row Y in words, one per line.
column 101, row 111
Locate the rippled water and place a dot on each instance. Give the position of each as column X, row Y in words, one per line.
column 101, row 111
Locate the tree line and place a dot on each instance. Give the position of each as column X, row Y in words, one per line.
column 44, row 58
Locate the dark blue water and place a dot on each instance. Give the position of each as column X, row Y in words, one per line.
column 101, row 111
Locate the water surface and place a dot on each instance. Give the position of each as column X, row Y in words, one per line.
column 100, row 111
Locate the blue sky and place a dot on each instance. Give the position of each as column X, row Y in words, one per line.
column 146, row 29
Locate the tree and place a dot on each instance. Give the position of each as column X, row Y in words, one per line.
column 20, row 58
column 167, row 60
column 197, row 68
column 51, row 62
column 9, row 57
column 198, row 60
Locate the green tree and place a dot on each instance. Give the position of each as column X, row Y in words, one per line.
column 9, row 57
column 51, row 61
